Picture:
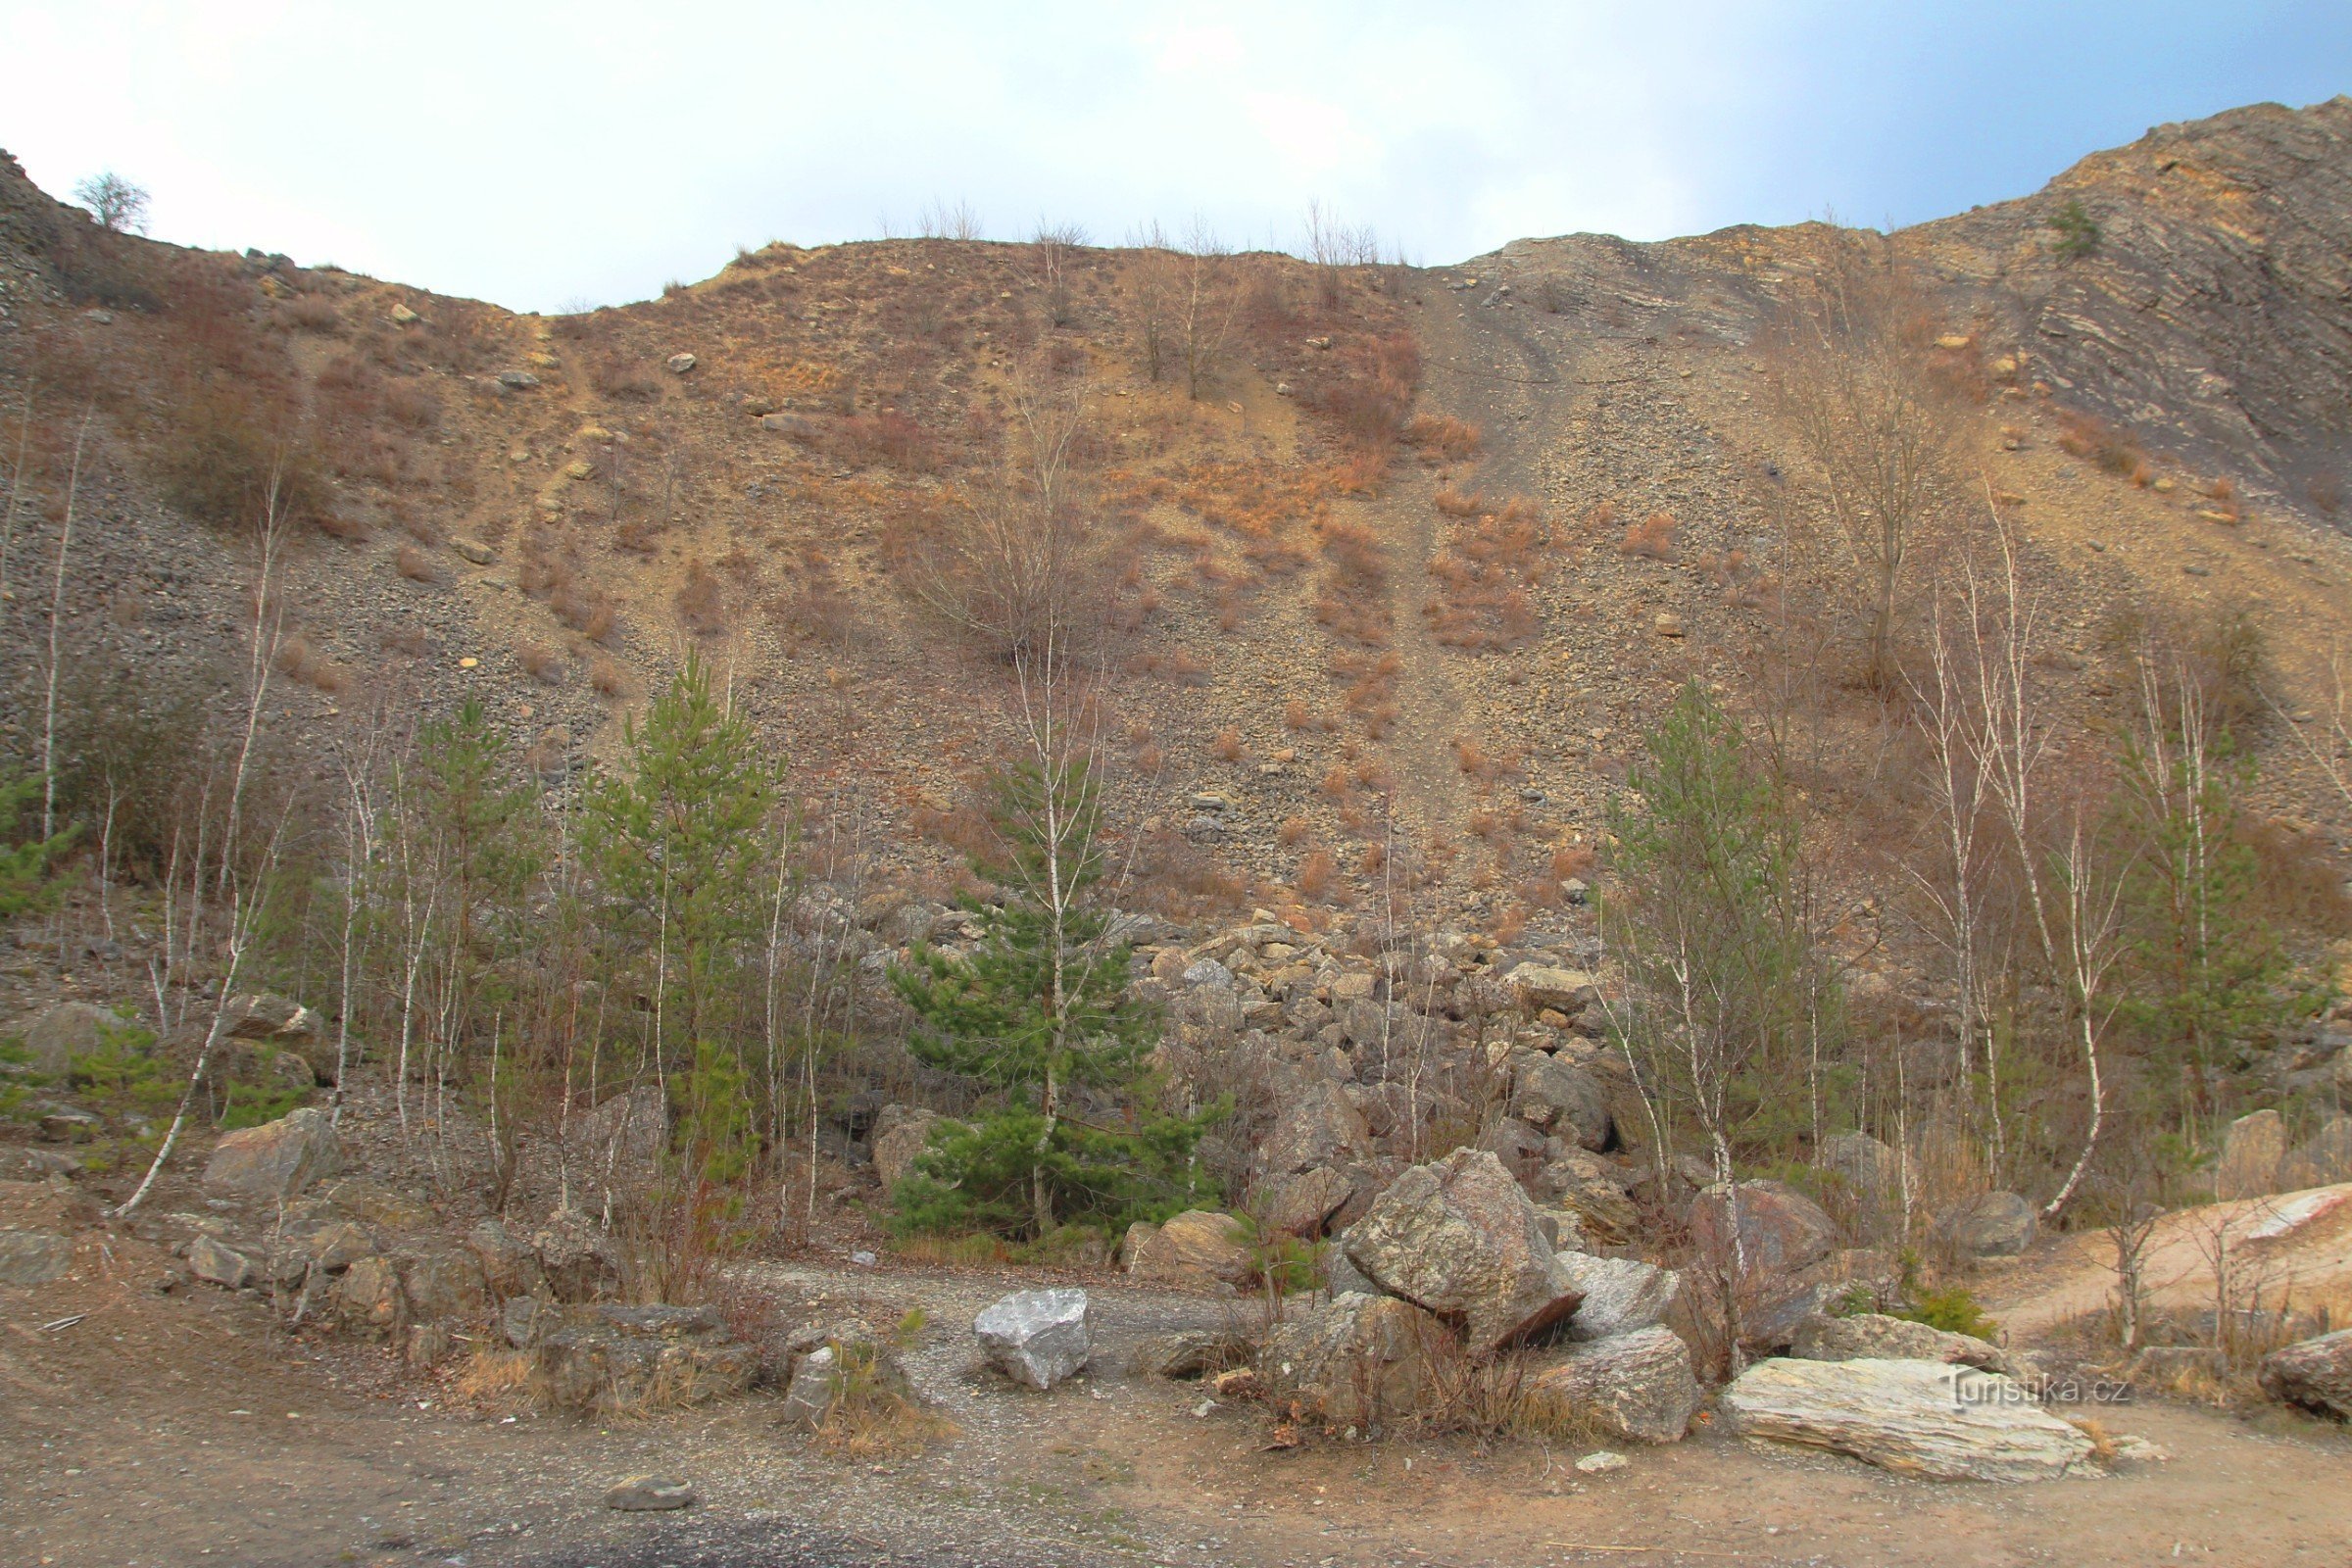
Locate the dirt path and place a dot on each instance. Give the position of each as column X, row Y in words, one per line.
column 189, row 1429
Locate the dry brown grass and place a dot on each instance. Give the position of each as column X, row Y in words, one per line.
column 702, row 601
column 1226, row 746
column 2095, row 440
column 541, row 663
column 1652, row 538
column 298, row 661
column 1487, row 573
column 1318, row 875
column 1293, row 832
column 417, row 566
column 608, row 677
column 1439, row 438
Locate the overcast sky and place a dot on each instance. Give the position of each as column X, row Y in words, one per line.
column 553, row 155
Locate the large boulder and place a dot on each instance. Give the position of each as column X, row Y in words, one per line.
column 1915, row 1418
column 1621, row 1295
column 1773, row 1307
column 1876, row 1336
column 1193, row 1248
column 2252, row 1150
column 1634, row 1387
column 1318, row 1126
column 509, row 1264
column 1561, row 1097
column 298, row 1032
column 1778, row 1230
column 1990, row 1225
column 276, row 1160
column 443, row 1286
column 368, row 1296
column 1462, row 1239
column 1188, row 1352
column 216, row 1262
column 1587, row 1187
column 2316, row 1374
column 1037, row 1337
column 900, row 1132
column 67, row 1030
column 633, row 1358
column 1358, row 1360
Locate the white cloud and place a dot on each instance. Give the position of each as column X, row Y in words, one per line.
column 534, row 153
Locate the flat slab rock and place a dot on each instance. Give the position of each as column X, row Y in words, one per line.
column 649, row 1495
column 1915, row 1418
column 1036, row 1337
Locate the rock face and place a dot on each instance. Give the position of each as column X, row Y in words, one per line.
column 1462, row 1239
column 1636, row 1387
column 1876, row 1336
column 2322, row 1160
column 1360, row 1360
column 2316, row 1374
column 1621, row 1295
column 1915, row 1418
column 1037, row 1337
column 900, row 1132
column 1992, row 1226
column 639, row 1358
column 33, row 1257
column 2252, row 1150
column 276, row 1160
column 1193, row 1248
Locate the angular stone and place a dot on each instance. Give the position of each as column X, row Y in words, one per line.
column 1582, row 1185
column 1991, row 1225
column 443, row 1286
column 369, row 1296
column 1037, row 1337
column 217, row 1263
column 2252, row 1152
column 1915, row 1418
column 1193, row 1248
column 607, row 1358
column 577, row 1257
column 70, row 1029
column 1299, row 1206
column 1636, row 1385
column 680, row 363
column 276, row 1160
column 1360, row 1360
column 1562, row 1098
column 1773, row 1307
column 1535, row 987
column 1462, row 1239
column 900, row 1132
column 649, row 1495
column 1621, row 1295
column 2316, row 1374
column 33, row 1257
column 816, row 1386
column 1318, row 1126
column 510, row 1267
column 1876, row 1336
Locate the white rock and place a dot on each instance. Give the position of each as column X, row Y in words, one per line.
column 1037, row 1336
column 680, row 363
column 1620, row 1293
column 1602, row 1463
column 1916, row 1418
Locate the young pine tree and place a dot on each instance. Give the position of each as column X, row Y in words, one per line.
column 682, row 844
column 1040, row 1014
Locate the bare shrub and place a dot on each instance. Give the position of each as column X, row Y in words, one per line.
column 298, row 661
column 1226, row 747
column 1652, row 538
column 541, row 663
column 623, row 379
column 608, row 677
column 417, row 566
column 1443, row 438
column 702, row 601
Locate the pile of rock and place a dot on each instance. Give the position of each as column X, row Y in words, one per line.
column 1454, row 1265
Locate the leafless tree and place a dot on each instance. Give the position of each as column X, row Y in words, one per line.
column 944, row 220
column 1054, row 248
column 1881, row 439
column 1188, row 296
column 120, row 206
column 57, row 614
